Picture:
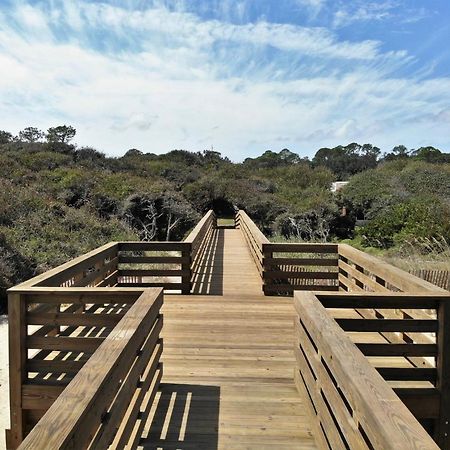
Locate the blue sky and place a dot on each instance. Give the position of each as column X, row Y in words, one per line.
column 242, row 76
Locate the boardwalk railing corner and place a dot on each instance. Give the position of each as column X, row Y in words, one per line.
column 88, row 332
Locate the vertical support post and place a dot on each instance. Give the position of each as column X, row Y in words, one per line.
column 442, row 428
column 357, row 282
column 266, row 253
column 17, row 365
column 187, row 267
column 343, row 273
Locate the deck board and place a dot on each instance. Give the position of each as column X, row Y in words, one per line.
column 228, row 362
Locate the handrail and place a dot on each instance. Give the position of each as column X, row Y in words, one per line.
column 199, row 239
column 73, row 270
column 301, row 266
column 254, row 236
column 361, row 411
column 108, row 387
column 384, row 275
column 160, row 264
column 200, row 232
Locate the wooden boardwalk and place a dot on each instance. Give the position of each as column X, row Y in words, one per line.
column 240, row 369
column 228, row 362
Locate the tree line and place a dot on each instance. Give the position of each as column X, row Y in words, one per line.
column 58, row 200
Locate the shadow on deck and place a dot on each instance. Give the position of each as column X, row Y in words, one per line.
column 184, row 416
column 208, row 278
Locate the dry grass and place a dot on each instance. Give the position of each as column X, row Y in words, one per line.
column 427, row 254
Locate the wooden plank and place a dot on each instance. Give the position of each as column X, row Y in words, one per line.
column 61, row 319
column 269, row 262
column 72, row 267
column 442, row 425
column 168, row 286
column 361, row 277
column 125, row 259
column 383, row 301
column 99, row 273
column 149, row 356
column 319, row 436
column 375, row 349
column 81, row 344
column 408, row 373
column 347, row 424
column 386, row 421
column 411, row 325
column 54, row 366
column 422, row 402
column 39, row 396
column 278, row 274
column 397, row 277
column 277, row 288
column 300, row 248
column 148, row 246
column 17, row 374
column 323, row 412
column 82, row 295
column 204, row 222
column 82, row 404
column 154, row 272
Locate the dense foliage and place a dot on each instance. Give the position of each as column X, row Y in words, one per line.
column 58, row 200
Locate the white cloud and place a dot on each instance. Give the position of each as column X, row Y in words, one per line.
column 170, row 91
column 359, row 11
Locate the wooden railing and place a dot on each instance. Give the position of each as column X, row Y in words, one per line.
column 58, row 319
column 113, row 389
column 152, row 264
column 289, row 267
column 254, row 237
column 52, row 333
column 199, row 239
column 359, row 271
column 99, row 265
column 351, row 405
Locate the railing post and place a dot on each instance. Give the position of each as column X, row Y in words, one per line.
column 266, row 253
column 187, row 266
column 17, row 362
column 442, row 429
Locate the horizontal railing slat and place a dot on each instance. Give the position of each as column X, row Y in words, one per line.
column 386, row 422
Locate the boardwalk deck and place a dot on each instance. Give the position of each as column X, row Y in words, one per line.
column 228, row 362
column 230, row 349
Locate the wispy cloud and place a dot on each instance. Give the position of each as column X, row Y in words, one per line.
column 160, row 77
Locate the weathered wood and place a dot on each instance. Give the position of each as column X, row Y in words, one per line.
column 411, row 325
column 386, row 421
column 270, row 261
column 370, row 300
column 375, row 349
column 394, row 276
column 148, row 246
column 442, row 425
column 58, row 319
column 17, row 372
column 422, row 402
column 300, row 248
column 408, row 373
column 153, row 259
column 63, row 272
column 74, row 418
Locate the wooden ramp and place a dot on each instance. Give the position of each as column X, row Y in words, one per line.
column 228, row 362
